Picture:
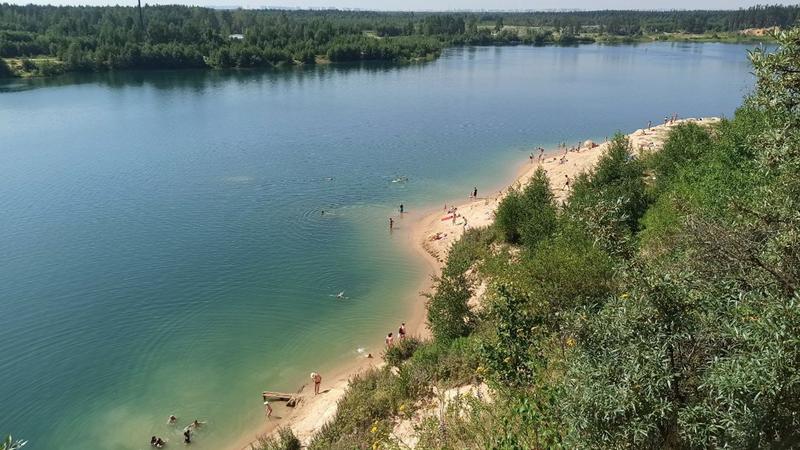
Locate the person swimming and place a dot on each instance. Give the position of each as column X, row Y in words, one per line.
column 172, row 419
column 187, row 435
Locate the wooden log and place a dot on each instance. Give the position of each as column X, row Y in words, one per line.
column 272, row 395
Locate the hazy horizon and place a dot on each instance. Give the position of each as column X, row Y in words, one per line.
column 435, row 5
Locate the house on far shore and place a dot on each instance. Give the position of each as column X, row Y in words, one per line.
column 236, row 37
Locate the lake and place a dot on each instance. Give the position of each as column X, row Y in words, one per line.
column 162, row 247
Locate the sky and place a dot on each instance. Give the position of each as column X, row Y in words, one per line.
column 444, row 5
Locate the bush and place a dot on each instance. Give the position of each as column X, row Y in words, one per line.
column 449, row 316
column 5, row 70
column 527, row 216
column 372, row 397
column 686, row 143
column 448, row 363
column 401, row 350
column 611, row 199
column 285, row 440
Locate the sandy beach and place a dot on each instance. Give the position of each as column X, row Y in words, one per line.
column 429, row 235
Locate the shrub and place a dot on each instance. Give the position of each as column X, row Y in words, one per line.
column 5, row 70
column 686, row 143
column 449, row 316
column 527, row 216
column 448, row 363
column 401, row 351
column 285, row 440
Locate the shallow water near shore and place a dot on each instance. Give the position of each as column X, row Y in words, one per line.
column 162, row 243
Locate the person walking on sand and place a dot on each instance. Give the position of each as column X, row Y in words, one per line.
column 391, row 224
column 317, row 379
column 389, row 340
column 267, row 409
column 566, row 183
column 401, row 332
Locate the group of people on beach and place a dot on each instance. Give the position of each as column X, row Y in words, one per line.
column 158, row 442
column 540, row 157
column 401, row 334
column 670, row 120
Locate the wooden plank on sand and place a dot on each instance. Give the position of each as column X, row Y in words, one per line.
column 277, row 395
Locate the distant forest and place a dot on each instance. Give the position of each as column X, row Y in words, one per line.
column 41, row 40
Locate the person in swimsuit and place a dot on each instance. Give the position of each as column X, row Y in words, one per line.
column 389, row 340
column 317, row 378
column 402, row 331
column 187, row 436
column 267, row 409
column 391, row 223
column 172, row 420
column 401, row 208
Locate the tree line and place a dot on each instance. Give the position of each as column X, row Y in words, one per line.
column 89, row 38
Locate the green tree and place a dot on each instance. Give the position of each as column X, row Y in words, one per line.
column 528, row 216
column 5, row 70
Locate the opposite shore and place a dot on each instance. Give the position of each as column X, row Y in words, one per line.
column 430, row 236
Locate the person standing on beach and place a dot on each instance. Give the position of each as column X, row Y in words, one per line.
column 267, row 409
column 389, row 340
column 402, row 331
column 475, row 192
column 317, row 378
column 649, row 125
column 566, row 183
column 401, row 208
column 391, row 224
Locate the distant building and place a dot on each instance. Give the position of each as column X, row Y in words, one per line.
column 236, row 37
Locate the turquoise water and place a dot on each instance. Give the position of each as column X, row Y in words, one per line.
column 161, row 243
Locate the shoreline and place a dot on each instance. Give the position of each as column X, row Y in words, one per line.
column 419, row 238
column 314, row 411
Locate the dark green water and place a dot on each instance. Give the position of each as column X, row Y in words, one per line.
column 161, row 243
